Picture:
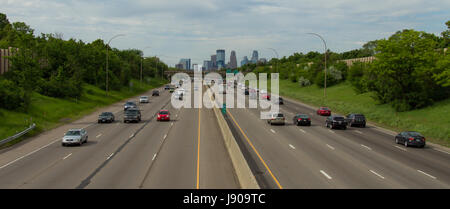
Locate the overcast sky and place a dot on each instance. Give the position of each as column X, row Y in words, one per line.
column 194, row 29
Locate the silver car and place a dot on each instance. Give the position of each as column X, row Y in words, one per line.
column 143, row 99
column 75, row 136
column 276, row 118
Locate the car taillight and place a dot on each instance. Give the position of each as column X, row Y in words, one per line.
column 299, row 119
column 410, row 138
column 309, row 118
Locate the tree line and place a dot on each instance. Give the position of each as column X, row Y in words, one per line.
column 49, row 65
column 411, row 70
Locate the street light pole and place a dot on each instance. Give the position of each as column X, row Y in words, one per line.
column 107, row 48
column 325, row 81
column 141, row 62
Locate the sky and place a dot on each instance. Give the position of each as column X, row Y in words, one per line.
column 175, row 29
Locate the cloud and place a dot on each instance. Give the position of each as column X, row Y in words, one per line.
column 196, row 28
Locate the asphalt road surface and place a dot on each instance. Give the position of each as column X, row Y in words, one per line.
column 186, row 152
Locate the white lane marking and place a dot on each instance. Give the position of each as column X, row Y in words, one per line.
column 302, row 130
column 366, row 147
column 67, row 156
column 165, row 136
column 359, row 132
column 132, row 135
column 330, row 146
column 29, row 154
column 441, row 151
column 176, row 115
column 272, row 131
column 110, row 156
column 426, row 174
column 400, row 148
column 98, row 135
column 171, row 124
column 325, row 174
column 331, row 131
column 290, row 145
column 377, row 174
column 154, row 156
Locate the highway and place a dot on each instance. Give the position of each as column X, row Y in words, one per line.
column 293, row 156
column 184, row 153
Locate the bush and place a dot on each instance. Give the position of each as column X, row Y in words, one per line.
column 303, row 82
column 11, row 96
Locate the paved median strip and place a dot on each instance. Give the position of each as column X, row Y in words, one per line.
column 110, row 156
column 154, row 156
column 400, row 148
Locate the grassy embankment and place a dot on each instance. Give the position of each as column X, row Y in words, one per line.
column 48, row 112
column 432, row 121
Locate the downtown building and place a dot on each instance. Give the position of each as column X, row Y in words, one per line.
column 233, row 62
column 186, row 63
column 244, row 61
column 220, row 58
column 254, row 59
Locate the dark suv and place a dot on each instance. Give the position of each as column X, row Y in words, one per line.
column 356, row 119
column 336, row 122
column 132, row 115
column 106, row 117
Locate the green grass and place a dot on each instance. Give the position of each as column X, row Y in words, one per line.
column 432, row 121
column 48, row 112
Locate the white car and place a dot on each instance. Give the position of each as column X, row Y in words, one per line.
column 75, row 136
column 143, row 99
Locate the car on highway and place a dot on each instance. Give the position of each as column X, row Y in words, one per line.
column 132, row 115
column 324, row 111
column 410, row 138
column 302, row 119
column 129, row 104
column 106, row 117
column 276, row 118
column 280, row 101
column 155, row 93
column 356, row 119
column 178, row 95
column 246, row 92
column 143, row 99
column 265, row 96
column 336, row 121
column 75, row 136
column 163, row 115
column 172, row 89
column 166, row 87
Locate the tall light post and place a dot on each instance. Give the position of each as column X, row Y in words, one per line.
column 142, row 58
column 325, row 81
column 107, row 48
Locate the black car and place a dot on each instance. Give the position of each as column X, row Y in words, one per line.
column 280, row 100
column 155, row 93
column 166, row 87
column 129, row 105
column 410, row 138
column 302, row 119
column 246, row 91
column 336, row 122
column 355, row 119
column 132, row 115
column 106, row 117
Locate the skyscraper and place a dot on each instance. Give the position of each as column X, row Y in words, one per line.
column 244, row 61
column 213, row 62
column 186, row 63
column 233, row 61
column 255, row 57
column 207, row 64
column 220, row 53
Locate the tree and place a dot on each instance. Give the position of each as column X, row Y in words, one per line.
column 403, row 72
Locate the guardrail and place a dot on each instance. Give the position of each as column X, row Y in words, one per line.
column 4, row 141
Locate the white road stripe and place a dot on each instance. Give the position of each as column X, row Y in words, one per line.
column 29, row 154
column 171, row 124
column 110, row 156
column 441, row 151
column 366, row 147
column 377, row 174
column 290, row 145
column 272, row 131
column 165, row 136
column 98, row 135
column 67, row 156
column 359, row 132
column 325, row 174
column 426, row 174
column 330, row 146
column 400, row 148
column 302, row 130
column 132, row 135
column 331, row 131
column 154, row 156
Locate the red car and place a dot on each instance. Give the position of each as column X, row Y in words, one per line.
column 163, row 115
column 265, row 96
column 325, row 111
